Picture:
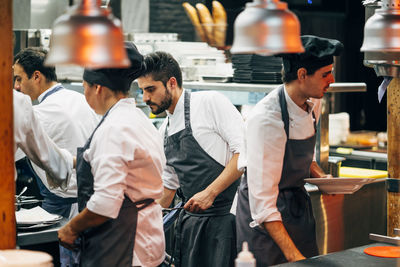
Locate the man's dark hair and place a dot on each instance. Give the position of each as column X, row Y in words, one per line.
column 32, row 59
column 162, row 66
column 288, row 77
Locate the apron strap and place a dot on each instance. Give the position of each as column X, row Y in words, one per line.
column 187, row 111
column 87, row 144
column 285, row 113
column 186, row 104
column 52, row 91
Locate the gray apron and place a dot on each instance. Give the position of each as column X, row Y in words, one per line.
column 293, row 203
column 111, row 243
column 207, row 238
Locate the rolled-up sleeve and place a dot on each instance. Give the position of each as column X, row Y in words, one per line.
column 228, row 121
column 265, row 147
column 30, row 136
column 169, row 176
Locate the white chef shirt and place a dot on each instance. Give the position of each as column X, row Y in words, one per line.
column 216, row 124
column 68, row 121
column 127, row 158
column 265, row 148
column 30, row 136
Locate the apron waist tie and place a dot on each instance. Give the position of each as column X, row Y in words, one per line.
column 144, row 203
column 213, row 211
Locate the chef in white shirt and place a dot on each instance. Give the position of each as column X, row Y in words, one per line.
column 119, row 176
column 274, row 213
column 64, row 114
column 30, row 136
column 203, row 133
column 67, row 119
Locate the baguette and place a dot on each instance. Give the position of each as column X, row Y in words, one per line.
column 220, row 23
column 206, row 21
column 194, row 18
column 218, row 13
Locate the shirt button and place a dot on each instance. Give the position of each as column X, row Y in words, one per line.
column 292, row 125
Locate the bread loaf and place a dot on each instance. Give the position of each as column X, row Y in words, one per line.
column 206, row 21
column 194, row 18
column 218, row 13
column 220, row 23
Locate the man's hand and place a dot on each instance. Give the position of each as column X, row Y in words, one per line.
column 297, row 256
column 204, row 199
column 200, row 201
column 84, row 220
column 67, row 236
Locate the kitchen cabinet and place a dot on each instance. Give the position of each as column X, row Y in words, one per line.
column 344, row 221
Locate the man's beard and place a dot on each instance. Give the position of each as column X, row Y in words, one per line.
column 164, row 105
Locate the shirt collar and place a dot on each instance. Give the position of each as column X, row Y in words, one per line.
column 179, row 106
column 44, row 93
column 294, row 108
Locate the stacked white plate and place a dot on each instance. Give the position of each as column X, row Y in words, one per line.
column 35, row 218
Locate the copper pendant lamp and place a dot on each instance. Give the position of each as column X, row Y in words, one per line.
column 89, row 36
column 267, row 27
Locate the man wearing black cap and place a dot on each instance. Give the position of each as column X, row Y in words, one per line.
column 274, row 213
column 119, row 176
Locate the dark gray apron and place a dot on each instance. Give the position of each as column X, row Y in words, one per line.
column 293, row 203
column 111, row 243
column 207, row 238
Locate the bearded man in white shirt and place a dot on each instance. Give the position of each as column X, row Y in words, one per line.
column 202, row 134
column 274, row 213
column 67, row 119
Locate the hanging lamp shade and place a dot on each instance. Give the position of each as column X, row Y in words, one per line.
column 89, row 36
column 382, row 30
column 266, row 27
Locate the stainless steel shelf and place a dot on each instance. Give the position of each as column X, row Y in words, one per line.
column 266, row 88
column 242, row 87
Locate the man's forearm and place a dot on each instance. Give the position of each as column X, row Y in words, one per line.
column 281, row 237
column 85, row 220
column 228, row 176
column 166, row 200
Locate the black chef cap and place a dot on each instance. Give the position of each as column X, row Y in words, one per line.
column 118, row 79
column 318, row 53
